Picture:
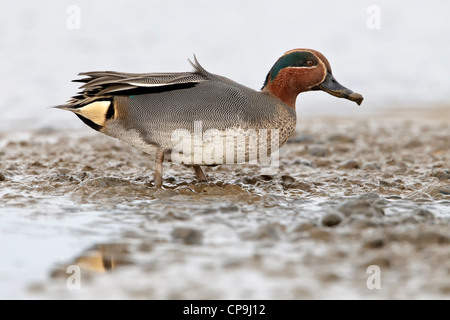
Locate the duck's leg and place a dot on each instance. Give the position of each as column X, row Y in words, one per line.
column 159, row 168
column 200, row 174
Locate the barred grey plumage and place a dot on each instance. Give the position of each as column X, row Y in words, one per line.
column 153, row 111
column 166, row 102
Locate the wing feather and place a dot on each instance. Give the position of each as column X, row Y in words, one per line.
column 106, row 84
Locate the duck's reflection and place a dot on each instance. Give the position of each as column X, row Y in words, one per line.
column 103, row 257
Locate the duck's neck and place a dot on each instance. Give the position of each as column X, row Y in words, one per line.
column 282, row 93
column 286, row 85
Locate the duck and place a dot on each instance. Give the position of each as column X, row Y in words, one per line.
column 198, row 118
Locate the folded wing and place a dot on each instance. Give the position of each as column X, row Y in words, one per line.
column 102, row 85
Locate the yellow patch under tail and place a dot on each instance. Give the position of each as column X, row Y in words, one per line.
column 95, row 111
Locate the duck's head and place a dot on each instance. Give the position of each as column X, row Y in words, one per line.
column 301, row 70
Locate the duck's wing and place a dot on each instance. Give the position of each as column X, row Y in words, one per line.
column 102, row 85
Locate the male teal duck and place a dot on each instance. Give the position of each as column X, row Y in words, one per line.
column 164, row 114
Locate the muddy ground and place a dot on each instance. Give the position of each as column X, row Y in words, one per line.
column 350, row 193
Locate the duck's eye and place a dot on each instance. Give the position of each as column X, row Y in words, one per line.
column 309, row 63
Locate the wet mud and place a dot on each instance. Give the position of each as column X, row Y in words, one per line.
column 350, row 193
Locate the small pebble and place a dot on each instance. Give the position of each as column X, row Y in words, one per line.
column 303, row 162
column 331, row 219
column 2, row 176
column 288, row 179
column 322, row 162
column 427, row 238
column 187, row 235
column 414, row 143
column 304, row 226
column 289, row 182
column 370, row 196
column 374, row 244
column 37, row 164
column 421, row 212
column 386, row 183
column 371, row 166
column 266, row 177
column 361, row 223
column 271, row 231
column 87, row 168
column 355, row 206
column 330, row 277
column 341, row 138
column 230, row 208
column 381, row 262
column 64, row 170
column 349, row 164
column 441, row 174
column 303, row 186
column 209, row 210
column 319, row 234
column 170, row 216
column 318, row 151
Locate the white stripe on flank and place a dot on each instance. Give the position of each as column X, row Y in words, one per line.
column 149, row 84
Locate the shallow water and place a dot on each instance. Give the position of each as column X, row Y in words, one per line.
column 350, row 193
